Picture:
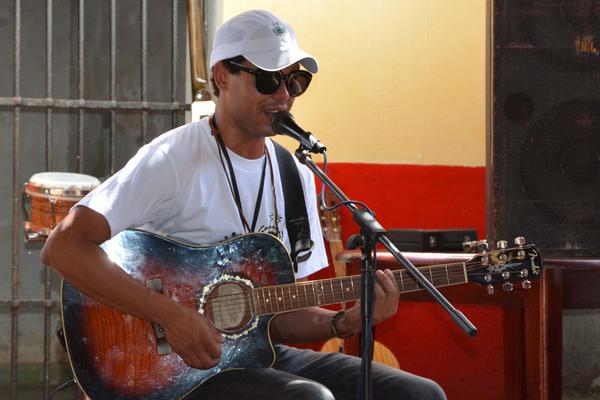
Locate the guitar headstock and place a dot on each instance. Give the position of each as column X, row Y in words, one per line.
column 330, row 219
column 505, row 265
column 330, row 225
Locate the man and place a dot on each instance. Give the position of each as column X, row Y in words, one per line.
column 215, row 179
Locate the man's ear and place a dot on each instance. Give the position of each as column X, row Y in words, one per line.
column 220, row 76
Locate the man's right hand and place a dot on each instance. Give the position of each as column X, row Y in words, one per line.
column 193, row 337
column 73, row 251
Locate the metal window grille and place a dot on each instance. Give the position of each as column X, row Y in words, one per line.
column 87, row 84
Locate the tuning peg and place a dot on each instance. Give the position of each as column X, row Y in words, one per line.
column 483, row 246
column 524, row 273
column 490, row 289
column 526, row 284
column 505, row 275
column 502, row 244
column 507, row 286
column 520, row 241
column 485, row 260
column 487, row 277
column 469, row 245
column 503, row 258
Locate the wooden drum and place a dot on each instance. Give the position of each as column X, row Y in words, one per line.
column 52, row 195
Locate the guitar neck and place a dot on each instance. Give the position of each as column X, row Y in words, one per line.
column 296, row 296
column 337, row 247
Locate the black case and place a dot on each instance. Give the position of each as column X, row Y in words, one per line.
column 432, row 240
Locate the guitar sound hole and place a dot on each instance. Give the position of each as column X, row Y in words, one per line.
column 229, row 306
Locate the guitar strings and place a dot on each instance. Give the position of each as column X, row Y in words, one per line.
column 286, row 304
column 329, row 282
column 436, row 272
column 440, row 271
column 292, row 294
column 233, row 301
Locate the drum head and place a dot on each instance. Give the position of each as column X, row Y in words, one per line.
column 61, row 184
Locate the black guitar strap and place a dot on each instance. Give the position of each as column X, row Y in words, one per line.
column 296, row 217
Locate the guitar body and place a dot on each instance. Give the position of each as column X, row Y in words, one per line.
column 117, row 356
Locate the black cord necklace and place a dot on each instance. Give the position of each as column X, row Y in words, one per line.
column 223, row 152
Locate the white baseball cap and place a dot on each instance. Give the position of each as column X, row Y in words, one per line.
column 263, row 39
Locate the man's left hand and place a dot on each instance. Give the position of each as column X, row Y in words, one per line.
column 387, row 295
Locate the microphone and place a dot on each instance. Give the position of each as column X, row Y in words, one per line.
column 283, row 123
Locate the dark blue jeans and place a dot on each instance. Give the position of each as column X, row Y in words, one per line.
column 306, row 374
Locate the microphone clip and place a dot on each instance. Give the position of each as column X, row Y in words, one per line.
column 283, row 123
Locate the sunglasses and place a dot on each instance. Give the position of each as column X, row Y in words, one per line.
column 267, row 82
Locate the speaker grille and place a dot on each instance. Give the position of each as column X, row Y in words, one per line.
column 545, row 155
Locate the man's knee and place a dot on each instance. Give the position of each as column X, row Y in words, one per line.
column 428, row 390
column 408, row 387
column 305, row 389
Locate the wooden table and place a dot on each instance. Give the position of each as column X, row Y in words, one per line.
column 532, row 326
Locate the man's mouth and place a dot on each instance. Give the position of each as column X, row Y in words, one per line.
column 273, row 111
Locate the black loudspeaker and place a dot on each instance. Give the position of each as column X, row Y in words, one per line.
column 544, row 147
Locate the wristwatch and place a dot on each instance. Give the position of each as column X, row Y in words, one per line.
column 334, row 329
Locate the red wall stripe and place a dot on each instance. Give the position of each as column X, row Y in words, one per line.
column 415, row 196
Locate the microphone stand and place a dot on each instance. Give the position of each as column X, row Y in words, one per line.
column 372, row 233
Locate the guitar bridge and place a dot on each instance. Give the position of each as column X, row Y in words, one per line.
column 163, row 347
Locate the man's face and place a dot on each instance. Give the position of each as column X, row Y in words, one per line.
column 251, row 110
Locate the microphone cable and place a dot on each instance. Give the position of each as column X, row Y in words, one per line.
column 340, row 203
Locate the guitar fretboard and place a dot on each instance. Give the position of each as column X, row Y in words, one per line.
column 296, row 296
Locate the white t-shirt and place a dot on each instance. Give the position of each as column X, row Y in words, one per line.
column 176, row 186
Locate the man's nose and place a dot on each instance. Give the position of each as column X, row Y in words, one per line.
column 282, row 91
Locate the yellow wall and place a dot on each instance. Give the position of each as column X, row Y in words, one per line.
column 400, row 81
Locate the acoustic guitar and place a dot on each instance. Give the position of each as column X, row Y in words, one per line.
column 239, row 284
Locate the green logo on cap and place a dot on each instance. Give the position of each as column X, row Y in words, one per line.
column 279, row 30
